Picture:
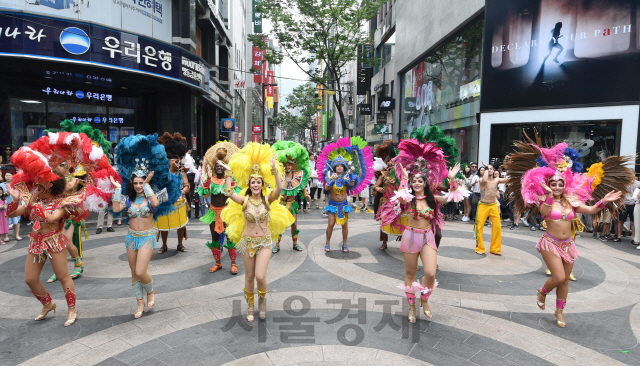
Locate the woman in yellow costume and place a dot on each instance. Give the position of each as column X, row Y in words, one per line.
column 252, row 221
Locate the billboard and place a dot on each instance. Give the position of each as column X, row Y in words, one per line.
column 543, row 53
column 151, row 18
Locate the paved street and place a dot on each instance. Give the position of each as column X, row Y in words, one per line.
column 484, row 309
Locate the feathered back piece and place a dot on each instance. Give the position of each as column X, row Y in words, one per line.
column 293, row 152
column 94, row 134
column 175, row 146
column 138, row 147
column 611, row 175
column 355, row 152
column 254, row 160
column 37, row 162
column 533, row 166
column 425, row 159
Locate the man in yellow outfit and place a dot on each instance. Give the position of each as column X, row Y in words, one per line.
column 489, row 207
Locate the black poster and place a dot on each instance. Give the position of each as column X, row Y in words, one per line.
column 542, row 53
column 364, row 80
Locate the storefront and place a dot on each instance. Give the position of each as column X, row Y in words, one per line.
column 568, row 73
column 123, row 83
column 443, row 89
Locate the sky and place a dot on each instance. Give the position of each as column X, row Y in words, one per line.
column 287, row 69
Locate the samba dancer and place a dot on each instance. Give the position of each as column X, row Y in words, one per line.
column 252, row 220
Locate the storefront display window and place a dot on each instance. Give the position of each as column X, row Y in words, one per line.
column 594, row 140
column 444, row 90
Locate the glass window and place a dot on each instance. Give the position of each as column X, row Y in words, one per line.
column 27, row 121
column 444, row 89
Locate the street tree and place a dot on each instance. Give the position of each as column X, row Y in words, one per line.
column 306, row 101
column 328, row 31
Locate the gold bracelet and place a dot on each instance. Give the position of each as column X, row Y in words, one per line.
column 274, row 171
column 228, row 173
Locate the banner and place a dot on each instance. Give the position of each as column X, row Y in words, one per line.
column 269, row 81
column 323, row 129
column 543, row 53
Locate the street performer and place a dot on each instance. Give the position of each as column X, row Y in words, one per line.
column 340, row 180
column 176, row 149
column 553, row 184
column 214, row 185
column 489, row 207
column 296, row 176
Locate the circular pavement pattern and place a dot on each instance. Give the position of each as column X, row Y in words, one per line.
column 329, row 308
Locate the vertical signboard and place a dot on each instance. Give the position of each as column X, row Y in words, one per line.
column 257, row 64
column 257, row 18
column 364, row 80
column 269, row 81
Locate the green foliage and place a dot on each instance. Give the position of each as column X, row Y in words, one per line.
column 325, row 30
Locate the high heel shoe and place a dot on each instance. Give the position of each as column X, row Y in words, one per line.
column 560, row 319
column 541, row 304
column 250, row 309
column 262, row 304
column 412, row 313
column 425, row 308
column 70, row 322
column 42, row 316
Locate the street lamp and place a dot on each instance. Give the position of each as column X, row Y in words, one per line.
column 264, row 103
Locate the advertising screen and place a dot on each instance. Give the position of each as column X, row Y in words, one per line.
column 543, row 53
column 151, row 18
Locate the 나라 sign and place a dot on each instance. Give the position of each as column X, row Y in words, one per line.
column 54, row 39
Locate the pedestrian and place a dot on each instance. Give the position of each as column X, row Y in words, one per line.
column 475, row 189
column 13, row 221
column 101, row 214
column 468, row 177
column 4, row 223
column 316, row 189
column 627, row 210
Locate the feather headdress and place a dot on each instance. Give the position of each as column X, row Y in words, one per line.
column 353, row 151
column 424, row 159
column 296, row 154
column 254, row 161
column 138, row 147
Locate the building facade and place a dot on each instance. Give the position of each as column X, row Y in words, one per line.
column 125, row 67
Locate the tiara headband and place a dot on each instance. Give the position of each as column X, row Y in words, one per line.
column 142, row 168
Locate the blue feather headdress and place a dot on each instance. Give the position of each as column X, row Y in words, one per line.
column 147, row 147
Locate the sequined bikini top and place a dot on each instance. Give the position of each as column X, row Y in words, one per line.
column 257, row 213
column 556, row 215
column 141, row 212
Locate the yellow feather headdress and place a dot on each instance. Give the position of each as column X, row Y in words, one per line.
column 254, row 161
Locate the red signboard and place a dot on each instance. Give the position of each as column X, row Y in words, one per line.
column 256, row 138
column 237, row 128
column 257, row 129
column 193, row 138
column 257, row 64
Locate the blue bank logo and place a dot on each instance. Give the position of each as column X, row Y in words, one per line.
column 75, row 41
column 79, row 94
column 96, row 120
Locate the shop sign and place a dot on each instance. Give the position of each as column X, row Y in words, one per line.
column 365, row 109
column 364, row 80
column 386, row 104
column 462, row 132
column 543, row 57
column 80, row 119
column 257, row 65
column 381, row 118
column 410, row 104
column 255, row 137
column 79, row 94
column 24, row 36
column 381, row 129
column 194, row 141
column 240, row 84
column 257, row 129
column 228, row 125
column 237, row 128
column 257, row 17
